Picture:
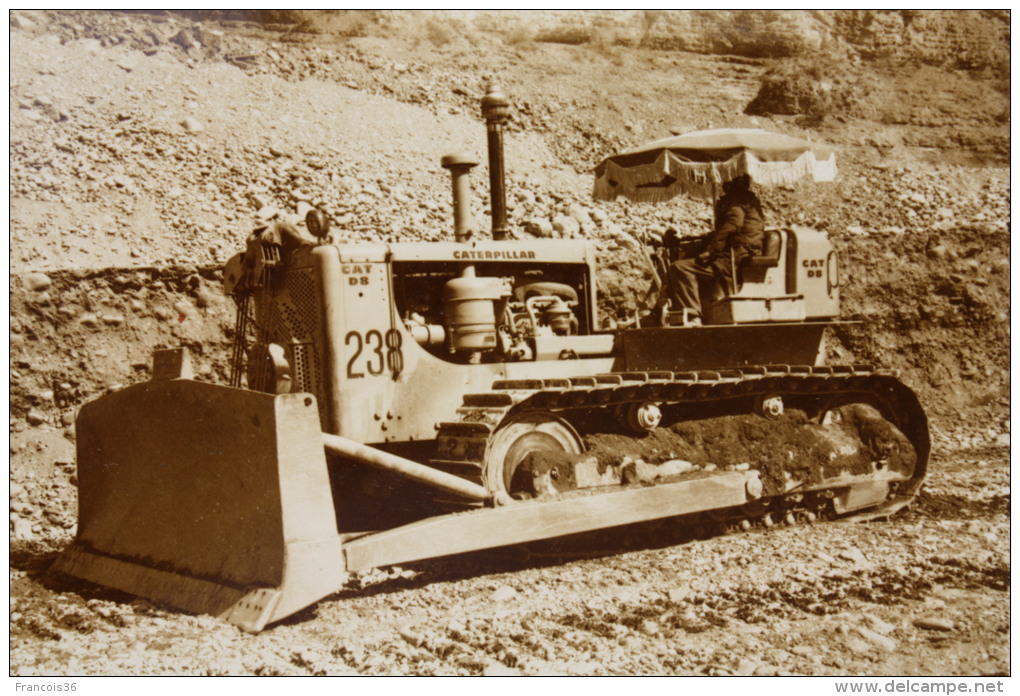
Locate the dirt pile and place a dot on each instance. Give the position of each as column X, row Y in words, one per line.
column 857, row 441
column 816, row 88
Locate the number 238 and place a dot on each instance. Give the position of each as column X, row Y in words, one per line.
column 374, row 353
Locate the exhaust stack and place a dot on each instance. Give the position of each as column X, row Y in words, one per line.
column 460, row 166
column 496, row 111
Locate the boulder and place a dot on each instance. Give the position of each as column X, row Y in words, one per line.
column 539, row 227
column 37, row 282
column 566, row 226
column 674, row 467
column 192, row 125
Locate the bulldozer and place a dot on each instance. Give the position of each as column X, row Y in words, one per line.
column 393, row 402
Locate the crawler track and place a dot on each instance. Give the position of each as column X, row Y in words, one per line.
column 463, row 443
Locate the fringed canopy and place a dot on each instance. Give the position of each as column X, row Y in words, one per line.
column 697, row 164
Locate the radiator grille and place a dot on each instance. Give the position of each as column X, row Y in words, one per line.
column 293, row 323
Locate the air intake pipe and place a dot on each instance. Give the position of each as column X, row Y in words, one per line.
column 460, row 166
column 469, row 302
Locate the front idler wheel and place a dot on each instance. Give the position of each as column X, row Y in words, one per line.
column 532, row 455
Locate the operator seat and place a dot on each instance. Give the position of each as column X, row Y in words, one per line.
column 772, row 247
column 762, row 289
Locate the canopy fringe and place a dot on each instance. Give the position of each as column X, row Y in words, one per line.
column 670, row 176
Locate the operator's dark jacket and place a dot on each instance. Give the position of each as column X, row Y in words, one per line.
column 740, row 215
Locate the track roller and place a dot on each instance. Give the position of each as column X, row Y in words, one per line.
column 640, row 418
column 770, row 406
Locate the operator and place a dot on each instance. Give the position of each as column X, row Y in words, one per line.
column 740, row 227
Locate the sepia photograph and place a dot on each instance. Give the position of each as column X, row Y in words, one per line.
column 641, row 343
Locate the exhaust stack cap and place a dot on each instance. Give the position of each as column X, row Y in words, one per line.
column 459, row 160
column 495, row 105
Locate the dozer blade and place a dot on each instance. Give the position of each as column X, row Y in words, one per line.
column 211, row 499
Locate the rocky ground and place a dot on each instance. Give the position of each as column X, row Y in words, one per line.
column 145, row 147
column 925, row 593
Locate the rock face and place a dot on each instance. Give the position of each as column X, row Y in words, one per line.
column 971, row 39
column 748, row 33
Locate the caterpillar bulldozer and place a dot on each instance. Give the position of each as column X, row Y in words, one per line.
column 392, row 402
